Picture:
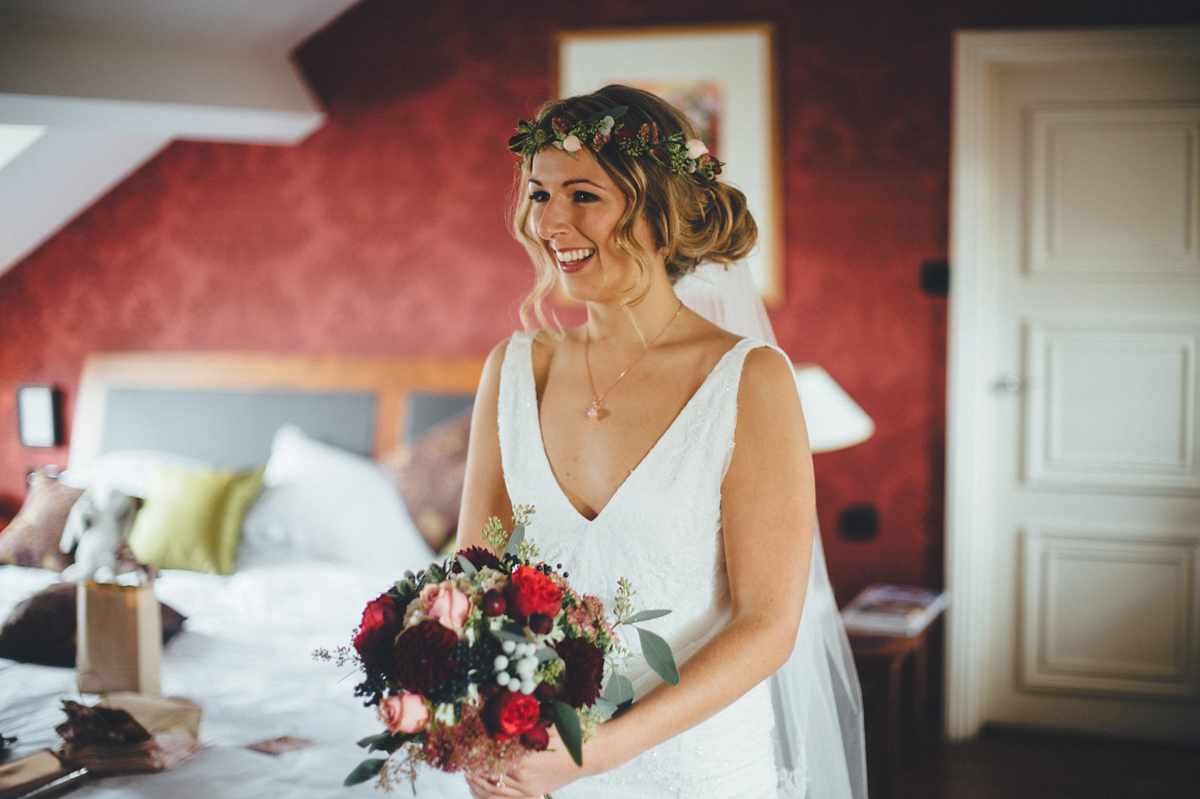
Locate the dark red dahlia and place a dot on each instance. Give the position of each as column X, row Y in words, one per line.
column 584, row 671
column 424, row 656
column 479, row 558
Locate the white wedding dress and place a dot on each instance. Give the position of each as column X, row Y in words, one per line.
column 662, row 531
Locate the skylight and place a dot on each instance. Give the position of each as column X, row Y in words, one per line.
column 14, row 139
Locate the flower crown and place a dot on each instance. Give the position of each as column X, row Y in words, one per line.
column 676, row 152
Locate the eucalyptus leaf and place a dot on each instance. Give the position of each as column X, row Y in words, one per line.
column 373, row 741
column 615, row 113
column 467, row 566
column 566, row 721
column 604, row 707
column 546, row 653
column 507, row 635
column 364, row 771
column 658, row 656
column 646, row 615
column 514, row 541
column 619, row 690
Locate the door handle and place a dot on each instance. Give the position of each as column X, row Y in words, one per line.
column 1011, row 383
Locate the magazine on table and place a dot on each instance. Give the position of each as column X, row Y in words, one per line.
column 894, row 609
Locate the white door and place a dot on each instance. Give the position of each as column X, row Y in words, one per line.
column 1075, row 554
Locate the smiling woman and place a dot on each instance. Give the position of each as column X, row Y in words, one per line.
column 648, row 156
column 688, row 474
column 576, row 209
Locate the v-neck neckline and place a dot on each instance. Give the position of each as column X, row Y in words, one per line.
column 535, row 409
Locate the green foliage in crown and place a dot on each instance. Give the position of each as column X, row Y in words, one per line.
column 676, row 152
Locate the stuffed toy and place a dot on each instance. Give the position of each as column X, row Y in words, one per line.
column 96, row 528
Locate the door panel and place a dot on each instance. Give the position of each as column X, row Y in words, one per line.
column 1136, row 633
column 1113, row 190
column 1110, row 408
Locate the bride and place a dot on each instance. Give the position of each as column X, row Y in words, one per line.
column 656, row 446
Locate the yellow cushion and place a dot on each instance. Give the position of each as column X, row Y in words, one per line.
column 193, row 519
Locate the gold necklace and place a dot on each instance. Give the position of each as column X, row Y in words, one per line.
column 597, row 412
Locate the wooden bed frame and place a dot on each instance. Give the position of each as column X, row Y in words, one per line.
column 391, row 381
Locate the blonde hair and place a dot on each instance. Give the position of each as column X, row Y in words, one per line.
column 692, row 218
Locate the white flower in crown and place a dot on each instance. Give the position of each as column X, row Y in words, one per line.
column 695, row 148
column 572, row 144
column 606, row 126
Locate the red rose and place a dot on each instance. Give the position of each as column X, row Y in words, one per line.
column 529, row 591
column 510, row 713
column 425, row 656
column 584, row 670
column 377, row 631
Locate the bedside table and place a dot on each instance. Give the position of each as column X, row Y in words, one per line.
column 894, row 673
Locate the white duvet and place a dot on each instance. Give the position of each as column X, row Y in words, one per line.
column 245, row 656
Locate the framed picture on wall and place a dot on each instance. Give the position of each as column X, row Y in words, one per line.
column 724, row 79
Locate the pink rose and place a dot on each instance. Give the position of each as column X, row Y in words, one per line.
column 405, row 712
column 446, row 603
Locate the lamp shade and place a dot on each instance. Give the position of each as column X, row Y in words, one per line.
column 834, row 420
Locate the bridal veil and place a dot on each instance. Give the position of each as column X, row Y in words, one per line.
column 819, row 745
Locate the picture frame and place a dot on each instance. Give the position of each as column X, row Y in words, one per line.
column 39, row 415
column 726, row 78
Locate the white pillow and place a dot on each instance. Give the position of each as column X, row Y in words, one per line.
column 127, row 470
column 330, row 504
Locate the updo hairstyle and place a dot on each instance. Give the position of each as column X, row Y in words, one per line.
column 695, row 219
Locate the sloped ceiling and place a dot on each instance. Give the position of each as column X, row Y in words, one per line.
column 91, row 89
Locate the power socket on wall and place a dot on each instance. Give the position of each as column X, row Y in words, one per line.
column 859, row 523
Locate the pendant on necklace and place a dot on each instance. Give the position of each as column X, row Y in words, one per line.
column 596, row 412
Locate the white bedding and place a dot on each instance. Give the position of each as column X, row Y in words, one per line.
column 245, row 656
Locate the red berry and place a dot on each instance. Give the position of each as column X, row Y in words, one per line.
column 540, row 623
column 493, row 603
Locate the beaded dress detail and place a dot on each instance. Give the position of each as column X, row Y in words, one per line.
column 661, row 530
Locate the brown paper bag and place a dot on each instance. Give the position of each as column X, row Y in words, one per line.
column 120, row 638
column 22, row 777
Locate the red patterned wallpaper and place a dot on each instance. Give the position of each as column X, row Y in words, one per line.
column 385, row 232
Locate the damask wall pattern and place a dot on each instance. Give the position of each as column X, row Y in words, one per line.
column 385, row 232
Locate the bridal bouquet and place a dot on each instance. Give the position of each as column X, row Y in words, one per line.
column 470, row 661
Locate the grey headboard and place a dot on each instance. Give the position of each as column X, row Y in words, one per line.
column 224, row 408
column 233, row 428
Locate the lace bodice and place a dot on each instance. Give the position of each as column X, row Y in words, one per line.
column 662, row 530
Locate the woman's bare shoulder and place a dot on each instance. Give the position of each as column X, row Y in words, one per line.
column 768, row 384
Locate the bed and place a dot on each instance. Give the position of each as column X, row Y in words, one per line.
column 335, row 442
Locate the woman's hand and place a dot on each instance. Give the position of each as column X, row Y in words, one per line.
column 539, row 774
